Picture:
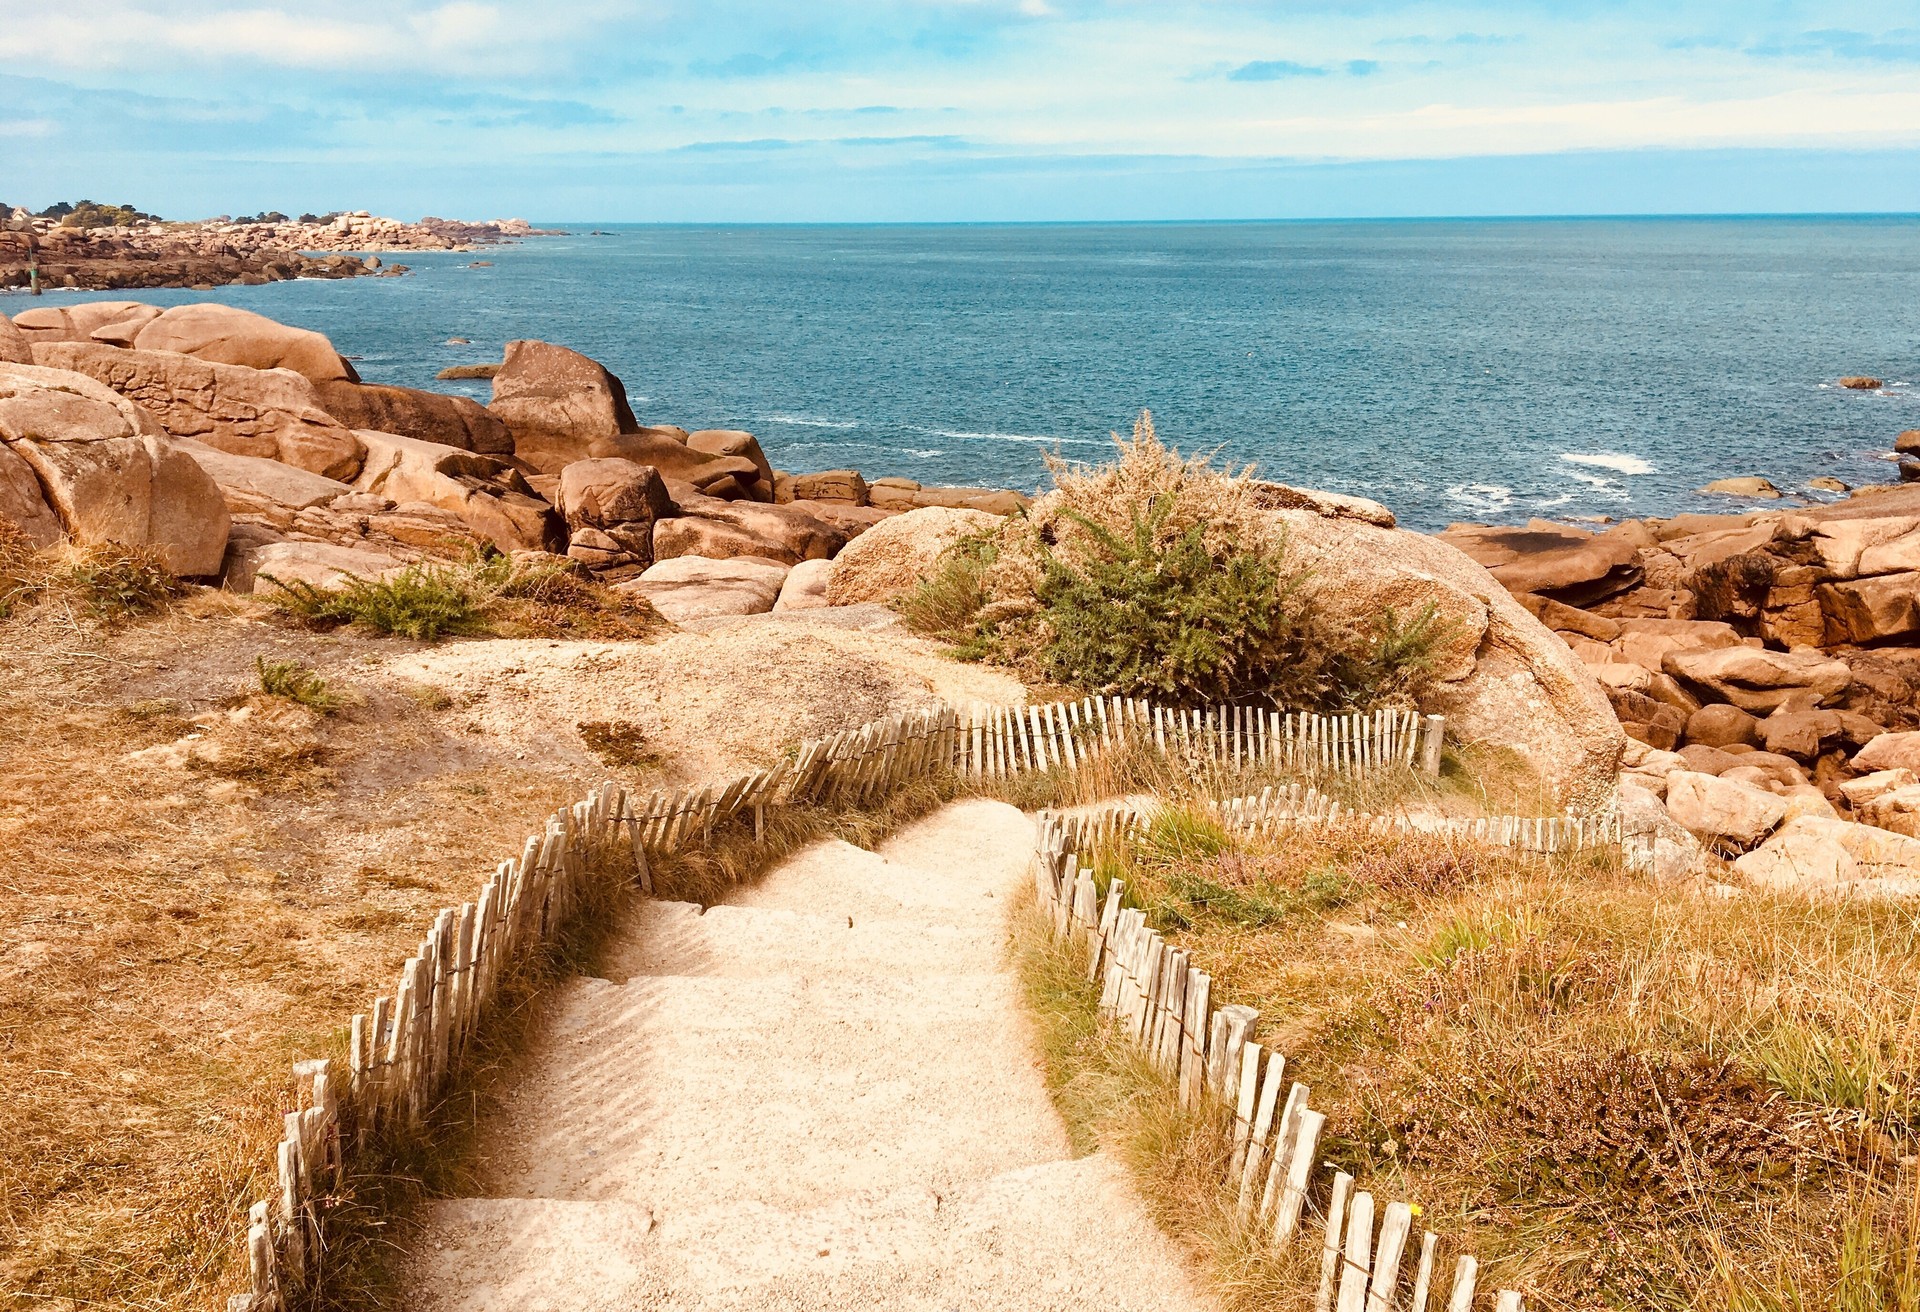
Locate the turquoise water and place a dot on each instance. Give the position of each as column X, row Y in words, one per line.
column 1453, row 369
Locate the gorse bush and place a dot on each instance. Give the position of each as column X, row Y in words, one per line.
column 296, row 683
column 1161, row 576
column 422, row 601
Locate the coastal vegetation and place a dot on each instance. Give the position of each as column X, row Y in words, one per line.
column 1614, row 1094
column 1163, row 576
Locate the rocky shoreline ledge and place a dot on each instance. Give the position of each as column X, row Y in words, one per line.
column 1765, row 665
column 279, row 461
column 227, row 252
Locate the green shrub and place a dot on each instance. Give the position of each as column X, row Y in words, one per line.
column 422, row 601
column 115, row 582
column 297, row 683
column 948, row 601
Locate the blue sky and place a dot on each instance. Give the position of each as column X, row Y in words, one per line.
column 961, row 109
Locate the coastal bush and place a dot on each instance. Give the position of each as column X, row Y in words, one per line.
column 1163, row 576
column 108, row 582
column 487, row 592
column 297, row 683
column 424, row 602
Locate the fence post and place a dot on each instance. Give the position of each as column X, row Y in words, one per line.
column 1433, row 733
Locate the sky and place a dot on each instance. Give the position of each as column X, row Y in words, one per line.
column 961, row 110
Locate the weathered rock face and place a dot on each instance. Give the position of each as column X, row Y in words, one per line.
column 22, row 505
column 77, row 323
column 806, row 586
column 454, row 421
column 487, row 495
column 1552, row 560
column 13, row 344
column 105, row 472
column 1723, row 808
column 256, row 486
column 831, row 485
column 903, row 494
column 1872, row 609
column 1757, row 680
column 890, row 559
column 1502, row 677
column 732, row 443
column 720, row 529
column 1890, row 751
column 611, row 506
column 557, row 403
column 1677, row 854
column 1721, row 725
column 322, row 564
column 688, row 472
column 1813, row 854
column 268, row 413
column 689, row 588
column 222, row 334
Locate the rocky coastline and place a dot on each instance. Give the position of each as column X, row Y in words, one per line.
column 49, row 253
column 1764, row 664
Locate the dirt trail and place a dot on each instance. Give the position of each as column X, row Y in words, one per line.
column 819, row 1096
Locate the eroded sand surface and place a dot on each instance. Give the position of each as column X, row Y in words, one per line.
column 819, row 1096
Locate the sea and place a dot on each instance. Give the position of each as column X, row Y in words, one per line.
column 1457, row 370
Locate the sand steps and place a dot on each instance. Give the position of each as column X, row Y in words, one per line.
column 768, row 1107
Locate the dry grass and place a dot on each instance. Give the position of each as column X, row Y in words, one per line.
column 1612, row 1094
column 203, row 882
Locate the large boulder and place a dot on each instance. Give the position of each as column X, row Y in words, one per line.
column 1814, row 854
column 1723, row 808
column 1890, row 751
column 1721, row 725
column 225, row 334
column 890, row 559
column 252, row 485
column 1670, row 847
column 488, row 495
column 107, row 473
column 832, row 485
column 718, row 529
column 688, row 472
column 1867, row 610
column 268, row 413
column 320, row 564
column 23, row 506
column 1553, row 560
column 1500, row 676
column 1758, row 680
column 689, row 588
column 1854, row 548
column 611, row 506
column 806, row 586
column 14, row 348
column 78, row 323
column 557, row 403
column 734, row 444
column 1647, row 641
column 449, row 420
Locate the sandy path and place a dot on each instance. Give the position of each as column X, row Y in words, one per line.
column 820, row 1096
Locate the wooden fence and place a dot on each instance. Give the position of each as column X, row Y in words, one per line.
column 860, row 766
column 406, row 1050
column 1164, row 1003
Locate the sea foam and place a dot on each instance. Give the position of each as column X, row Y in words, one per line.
column 1614, row 460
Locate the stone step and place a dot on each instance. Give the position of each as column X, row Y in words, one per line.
column 778, row 1089
column 1059, row 1235
column 678, row 938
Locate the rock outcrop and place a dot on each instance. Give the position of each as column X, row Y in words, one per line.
column 557, row 404
column 224, row 334
column 488, row 495
column 14, row 347
column 455, row 421
column 1500, row 677
column 890, row 559
column 106, row 472
column 269, row 413
column 689, row 588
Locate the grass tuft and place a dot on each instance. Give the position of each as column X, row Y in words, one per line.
column 297, row 683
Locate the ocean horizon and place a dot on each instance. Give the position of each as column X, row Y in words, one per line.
column 1487, row 369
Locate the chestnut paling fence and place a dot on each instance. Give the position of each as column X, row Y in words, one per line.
column 408, row 1049
column 1160, row 1000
